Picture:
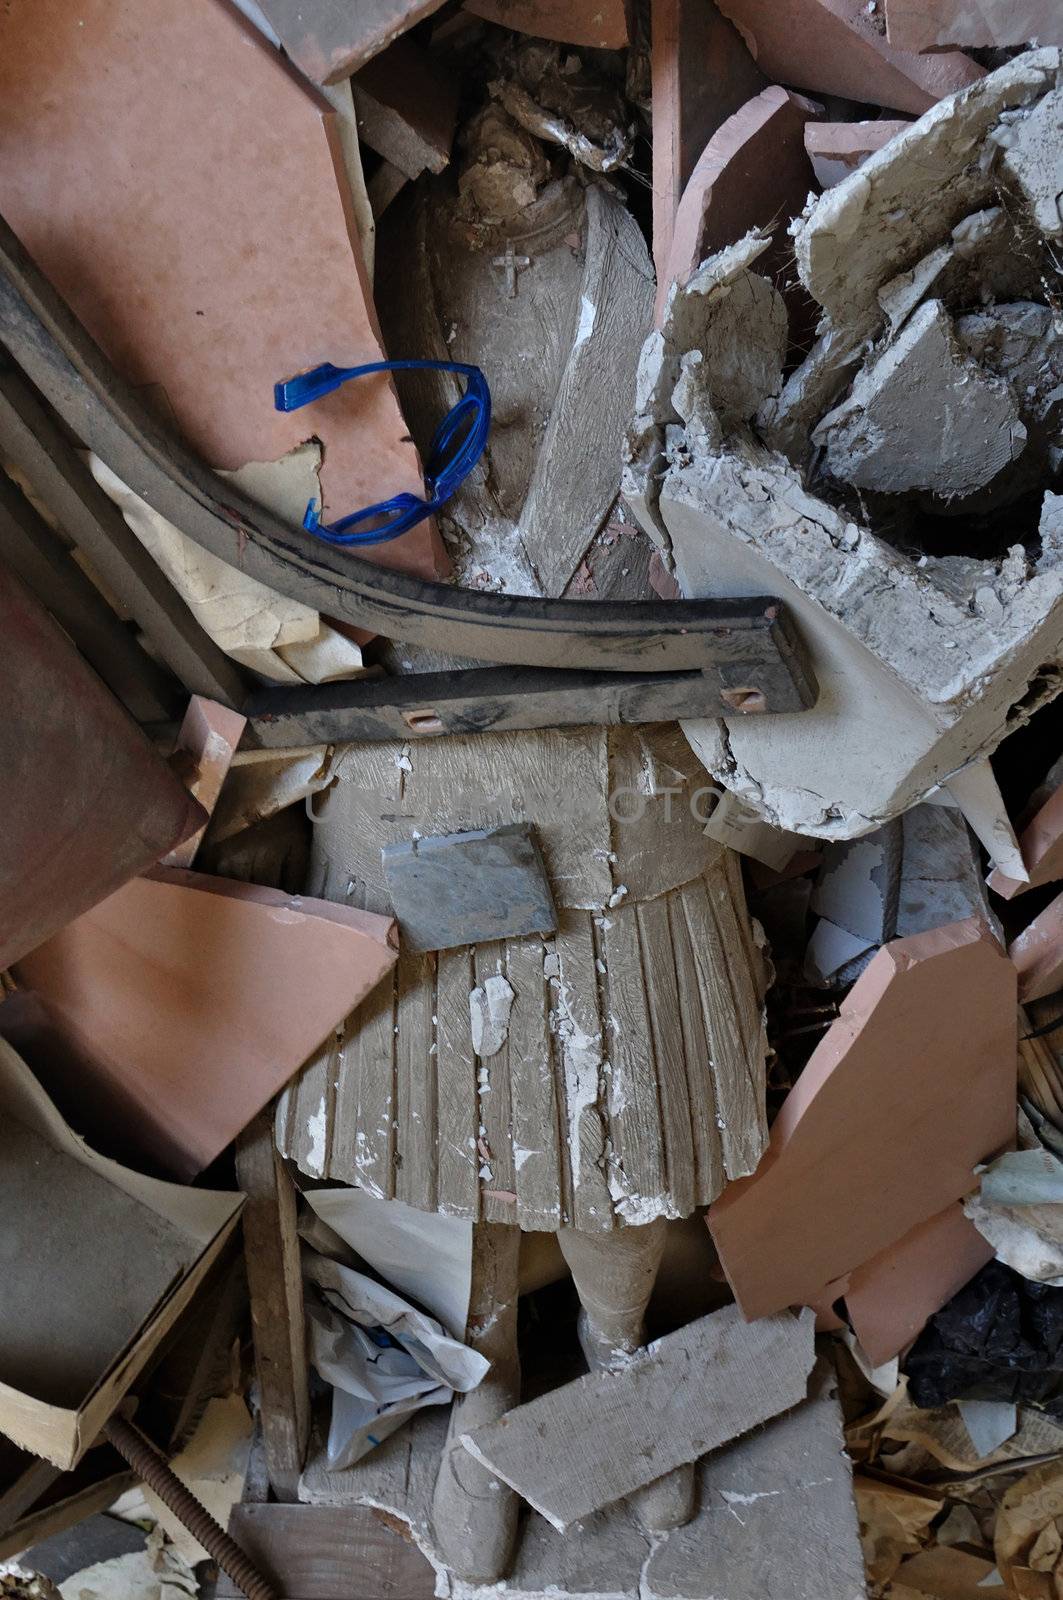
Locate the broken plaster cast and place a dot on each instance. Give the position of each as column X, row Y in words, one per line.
column 923, row 416
column 917, row 679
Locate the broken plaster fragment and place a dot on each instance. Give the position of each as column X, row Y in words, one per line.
column 907, row 197
column 490, row 1004
column 1033, row 157
column 923, row 415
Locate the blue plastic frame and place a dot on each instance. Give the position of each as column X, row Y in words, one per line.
column 444, row 472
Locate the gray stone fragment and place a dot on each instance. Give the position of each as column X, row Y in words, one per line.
column 777, row 1516
column 463, row 888
column 923, row 416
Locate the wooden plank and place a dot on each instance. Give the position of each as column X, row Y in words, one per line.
column 364, row 1137
column 583, row 1446
column 32, row 441
column 36, row 553
column 634, row 1104
column 328, row 39
column 705, row 1132
column 586, row 1201
column 458, row 1109
column 666, row 1004
column 536, row 1157
column 733, row 1024
column 328, row 1553
column 493, row 1080
column 271, row 1248
column 67, row 1509
column 415, row 1081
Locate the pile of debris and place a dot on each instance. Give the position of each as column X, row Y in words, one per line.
column 532, row 942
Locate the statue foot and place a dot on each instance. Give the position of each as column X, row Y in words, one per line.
column 668, row 1502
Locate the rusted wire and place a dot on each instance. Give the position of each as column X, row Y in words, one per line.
column 151, row 1467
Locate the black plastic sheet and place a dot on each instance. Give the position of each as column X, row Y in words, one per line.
column 999, row 1338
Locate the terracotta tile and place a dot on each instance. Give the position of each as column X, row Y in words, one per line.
column 329, row 39
column 196, row 998
column 199, row 222
column 911, row 1087
column 1041, row 843
column 837, row 148
column 891, row 1296
column 87, row 801
column 407, row 107
column 205, row 747
column 702, row 74
column 753, row 173
column 835, row 47
column 601, row 24
column 942, row 24
column 1038, row 953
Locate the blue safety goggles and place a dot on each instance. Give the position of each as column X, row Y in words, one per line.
column 457, row 445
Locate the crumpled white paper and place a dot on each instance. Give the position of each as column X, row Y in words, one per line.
column 383, row 1358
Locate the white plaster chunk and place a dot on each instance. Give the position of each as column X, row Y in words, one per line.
column 907, row 197
column 717, row 356
column 923, row 416
column 1023, row 345
column 490, row 1004
column 913, row 685
column 1033, row 158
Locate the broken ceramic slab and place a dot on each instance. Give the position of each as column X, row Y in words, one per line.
column 1041, row 849
column 1038, row 953
column 753, row 174
column 907, row 197
column 186, row 1002
column 890, row 1298
column 253, row 260
column 835, row 47
column 911, row 1087
column 599, row 24
column 836, row 149
column 701, row 73
column 923, row 415
column 206, row 744
column 464, row 888
column 598, row 1439
column 924, row 25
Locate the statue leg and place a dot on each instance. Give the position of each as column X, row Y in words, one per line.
column 614, row 1275
column 473, row 1514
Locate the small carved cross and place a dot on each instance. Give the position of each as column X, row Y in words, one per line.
column 512, row 264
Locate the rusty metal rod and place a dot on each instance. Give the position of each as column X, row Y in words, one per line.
column 155, row 1471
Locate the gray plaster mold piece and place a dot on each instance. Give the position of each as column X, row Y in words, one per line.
column 777, row 1516
column 907, row 197
column 923, row 415
column 913, row 683
column 1023, row 345
column 716, row 357
column 456, row 889
column 778, row 1500
column 924, row 665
